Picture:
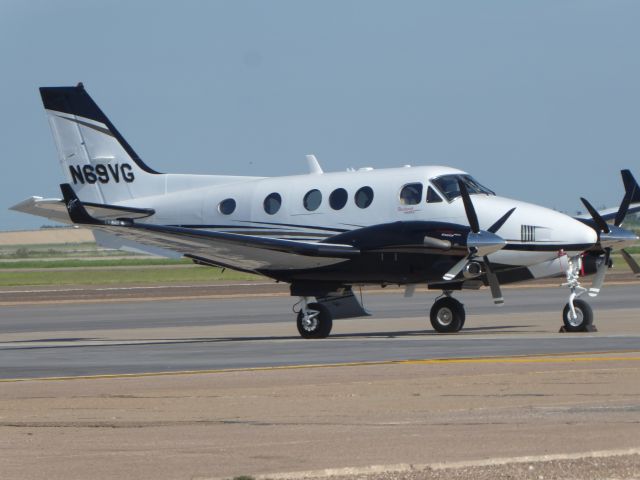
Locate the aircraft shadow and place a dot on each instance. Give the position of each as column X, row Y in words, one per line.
column 79, row 342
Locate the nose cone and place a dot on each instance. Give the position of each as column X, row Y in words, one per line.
column 579, row 235
column 542, row 228
column 561, row 230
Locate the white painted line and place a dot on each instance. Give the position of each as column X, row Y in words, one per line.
column 407, row 467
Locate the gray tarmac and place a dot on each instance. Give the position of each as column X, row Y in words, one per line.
column 61, row 340
column 152, row 387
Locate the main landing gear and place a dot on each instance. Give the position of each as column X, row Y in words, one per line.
column 314, row 320
column 577, row 315
column 447, row 314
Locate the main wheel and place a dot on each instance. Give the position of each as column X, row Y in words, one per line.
column 584, row 317
column 318, row 324
column 447, row 315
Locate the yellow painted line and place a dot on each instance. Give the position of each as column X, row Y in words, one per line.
column 540, row 358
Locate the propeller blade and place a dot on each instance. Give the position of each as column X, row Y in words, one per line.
column 600, row 223
column 601, row 272
column 456, row 269
column 633, row 265
column 468, row 207
column 494, row 284
column 498, row 225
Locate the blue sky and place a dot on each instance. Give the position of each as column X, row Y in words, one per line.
column 538, row 100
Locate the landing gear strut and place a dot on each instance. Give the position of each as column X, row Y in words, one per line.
column 314, row 320
column 577, row 315
column 447, row 314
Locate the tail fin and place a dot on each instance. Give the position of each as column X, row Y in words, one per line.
column 95, row 158
column 631, row 186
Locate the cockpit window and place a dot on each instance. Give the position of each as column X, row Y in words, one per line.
column 448, row 186
column 432, row 196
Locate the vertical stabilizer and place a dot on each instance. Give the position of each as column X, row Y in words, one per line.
column 95, row 158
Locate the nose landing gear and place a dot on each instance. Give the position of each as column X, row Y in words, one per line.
column 577, row 315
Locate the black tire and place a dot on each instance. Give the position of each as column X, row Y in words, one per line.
column 321, row 328
column 584, row 320
column 447, row 315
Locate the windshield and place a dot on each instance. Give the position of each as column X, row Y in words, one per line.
column 448, row 186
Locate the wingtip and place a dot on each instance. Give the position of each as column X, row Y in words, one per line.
column 75, row 208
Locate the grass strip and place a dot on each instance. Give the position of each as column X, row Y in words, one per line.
column 114, row 276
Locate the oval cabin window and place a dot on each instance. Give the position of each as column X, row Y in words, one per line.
column 312, row 200
column 338, row 198
column 227, row 207
column 364, row 197
column 272, row 203
column 411, row 194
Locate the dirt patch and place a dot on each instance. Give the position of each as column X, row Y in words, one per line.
column 47, row 236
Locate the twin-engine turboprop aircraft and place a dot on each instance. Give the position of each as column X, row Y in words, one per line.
column 324, row 233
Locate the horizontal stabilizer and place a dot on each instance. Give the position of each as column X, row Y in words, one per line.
column 56, row 210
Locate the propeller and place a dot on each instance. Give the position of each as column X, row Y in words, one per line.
column 480, row 243
column 610, row 236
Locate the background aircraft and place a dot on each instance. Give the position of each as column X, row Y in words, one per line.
column 324, row 233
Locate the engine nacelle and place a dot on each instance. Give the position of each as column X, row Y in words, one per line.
column 590, row 264
column 472, row 270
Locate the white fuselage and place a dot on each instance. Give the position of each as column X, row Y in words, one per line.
column 538, row 233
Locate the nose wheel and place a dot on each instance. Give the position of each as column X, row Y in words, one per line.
column 577, row 315
column 578, row 320
column 447, row 315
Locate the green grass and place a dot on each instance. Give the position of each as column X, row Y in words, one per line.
column 119, row 276
column 619, row 263
column 74, row 250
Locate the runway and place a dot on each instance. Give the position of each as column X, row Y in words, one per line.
column 221, row 387
column 65, row 340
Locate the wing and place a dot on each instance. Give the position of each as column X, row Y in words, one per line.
column 242, row 252
column 610, row 213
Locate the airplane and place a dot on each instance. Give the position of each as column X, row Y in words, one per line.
column 326, row 233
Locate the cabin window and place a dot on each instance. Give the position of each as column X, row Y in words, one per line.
column 272, row 203
column 312, row 200
column 227, row 207
column 364, row 197
column 411, row 194
column 432, row 196
column 338, row 198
